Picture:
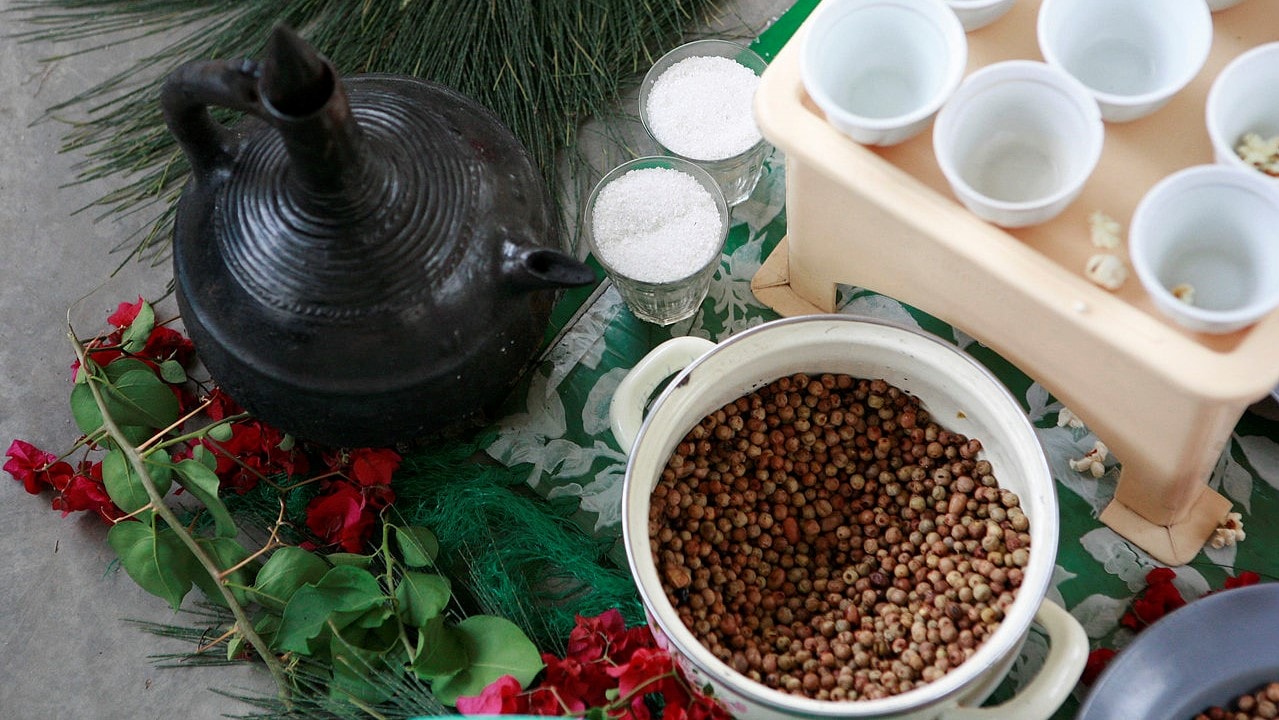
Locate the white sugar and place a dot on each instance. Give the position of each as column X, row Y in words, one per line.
column 656, row 225
column 700, row 108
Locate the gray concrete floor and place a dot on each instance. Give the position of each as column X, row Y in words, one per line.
column 65, row 651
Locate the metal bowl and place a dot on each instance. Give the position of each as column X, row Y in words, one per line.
column 1206, row 653
column 956, row 390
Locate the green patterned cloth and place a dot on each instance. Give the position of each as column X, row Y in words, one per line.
column 561, row 430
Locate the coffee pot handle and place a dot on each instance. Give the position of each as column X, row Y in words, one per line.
column 185, row 99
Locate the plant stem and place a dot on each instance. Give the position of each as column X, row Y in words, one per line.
column 155, row 439
column 271, row 543
column 135, row 460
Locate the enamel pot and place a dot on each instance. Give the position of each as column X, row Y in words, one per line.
column 961, row 395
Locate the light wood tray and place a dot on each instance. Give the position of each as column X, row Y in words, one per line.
column 1162, row 398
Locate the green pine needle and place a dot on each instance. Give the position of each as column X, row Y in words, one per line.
column 543, row 67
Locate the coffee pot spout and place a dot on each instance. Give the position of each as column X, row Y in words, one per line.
column 540, row 268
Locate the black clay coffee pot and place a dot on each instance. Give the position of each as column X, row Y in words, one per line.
column 362, row 261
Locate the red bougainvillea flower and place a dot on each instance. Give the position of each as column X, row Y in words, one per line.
column 1158, row 599
column 702, row 708
column 162, row 344
column 1243, row 579
column 591, row 638
column 606, row 636
column 84, row 491
column 252, row 452
column 579, row 685
column 371, row 466
column 503, row 696
column 221, row 405
column 645, row 665
column 27, row 464
column 168, row 344
column 341, row 517
column 125, row 313
column 1097, row 661
column 606, row 668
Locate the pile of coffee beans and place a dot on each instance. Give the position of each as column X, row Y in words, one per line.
column 824, row 536
column 1263, row 703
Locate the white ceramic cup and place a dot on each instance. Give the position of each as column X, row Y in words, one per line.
column 1017, row 142
column 976, row 14
column 1244, row 99
column 1134, row 55
column 1216, row 230
column 880, row 69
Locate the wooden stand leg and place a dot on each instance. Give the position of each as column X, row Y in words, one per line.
column 773, row 286
column 1176, row 543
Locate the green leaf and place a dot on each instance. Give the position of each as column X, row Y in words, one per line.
column 116, row 369
column 422, row 596
column 84, row 410
column 357, row 670
column 376, row 628
column 125, row 486
column 351, row 559
column 221, row 432
column 287, row 442
column 266, row 625
column 344, row 593
column 234, row 645
column 134, row 338
column 226, row 553
column 440, row 652
column 288, row 569
column 202, row 483
column 204, row 456
column 418, row 546
column 172, row 372
column 156, row 559
column 496, row 647
column 138, row 397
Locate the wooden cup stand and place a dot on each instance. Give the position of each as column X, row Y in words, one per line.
column 1163, row 399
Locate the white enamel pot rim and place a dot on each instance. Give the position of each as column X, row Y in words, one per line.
column 713, row 375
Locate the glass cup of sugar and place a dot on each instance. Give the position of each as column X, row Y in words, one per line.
column 657, row 225
column 696, row 103
column 1133, row 55
column 1017, row 142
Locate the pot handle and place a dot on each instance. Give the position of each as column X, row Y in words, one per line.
column 188, row 93
column 626, row 412
column 1067, row 655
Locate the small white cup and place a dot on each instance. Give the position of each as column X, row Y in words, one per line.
column 1212, row 229
column 1244, row 99
column 1134, row 55
column 880, row 69
column 1017, row 142
column 976, row 14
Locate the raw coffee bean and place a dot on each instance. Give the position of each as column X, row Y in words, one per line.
column 826, row 538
